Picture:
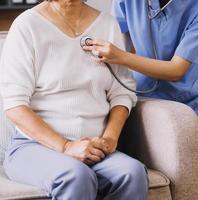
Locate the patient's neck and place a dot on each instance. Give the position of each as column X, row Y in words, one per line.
column 69, row 8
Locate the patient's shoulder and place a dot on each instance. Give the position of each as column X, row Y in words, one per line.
column 108, row 17
column 109, row 21
column 23, row 21
column 24, row 17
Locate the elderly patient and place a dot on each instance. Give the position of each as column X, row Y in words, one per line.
column 67, row 108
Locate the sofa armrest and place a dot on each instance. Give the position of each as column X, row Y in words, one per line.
column 164, row 136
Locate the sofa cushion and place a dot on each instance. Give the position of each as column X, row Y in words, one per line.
column 159, row 186
column 157, row 179
column 12, row 190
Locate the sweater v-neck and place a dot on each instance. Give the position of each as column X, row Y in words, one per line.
column 55, row 27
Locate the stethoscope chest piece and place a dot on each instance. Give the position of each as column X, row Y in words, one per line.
column 84, row 41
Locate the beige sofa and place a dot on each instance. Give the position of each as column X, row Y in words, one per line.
column 162, row 134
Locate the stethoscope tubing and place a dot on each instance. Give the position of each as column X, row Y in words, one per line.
column 126, row 87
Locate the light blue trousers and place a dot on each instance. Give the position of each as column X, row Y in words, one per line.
column 117, row 177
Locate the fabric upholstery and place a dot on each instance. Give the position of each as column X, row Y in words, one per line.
column 165, row 138
column 157, row 179
column 159, row 186
column 12, row 190
column 160, row 193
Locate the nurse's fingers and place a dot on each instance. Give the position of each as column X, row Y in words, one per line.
column 94, row 44
column 97, row 50
column 98, row 42
column 102, row 60
column 95, row 53
column 89, row 48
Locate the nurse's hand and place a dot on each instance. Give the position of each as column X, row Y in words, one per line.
column 105, row 52
column 85, row 150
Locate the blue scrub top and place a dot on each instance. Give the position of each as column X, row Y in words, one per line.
column 175, row 33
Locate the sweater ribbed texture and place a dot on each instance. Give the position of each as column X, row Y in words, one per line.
column 43, row 68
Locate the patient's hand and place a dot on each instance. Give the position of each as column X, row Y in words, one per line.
column 109, row 145
column 85, row 150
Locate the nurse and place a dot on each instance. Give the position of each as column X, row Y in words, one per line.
column 164, row 47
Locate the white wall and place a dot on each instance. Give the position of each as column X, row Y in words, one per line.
column 103, row 5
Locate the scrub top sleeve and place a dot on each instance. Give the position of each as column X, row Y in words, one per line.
column 188, row 47
column 119, row 12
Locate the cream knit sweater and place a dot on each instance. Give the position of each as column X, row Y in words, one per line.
column 43, row 68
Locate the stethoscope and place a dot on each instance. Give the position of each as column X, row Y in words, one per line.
column 85, row 41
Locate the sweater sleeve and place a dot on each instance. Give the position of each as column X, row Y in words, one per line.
column 17, row 67
column 117, row 94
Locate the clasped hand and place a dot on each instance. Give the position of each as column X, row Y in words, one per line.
column 91, row 150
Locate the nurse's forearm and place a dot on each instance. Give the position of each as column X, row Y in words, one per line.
column 172, row 70
column 30, row 123
column 164, row 70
